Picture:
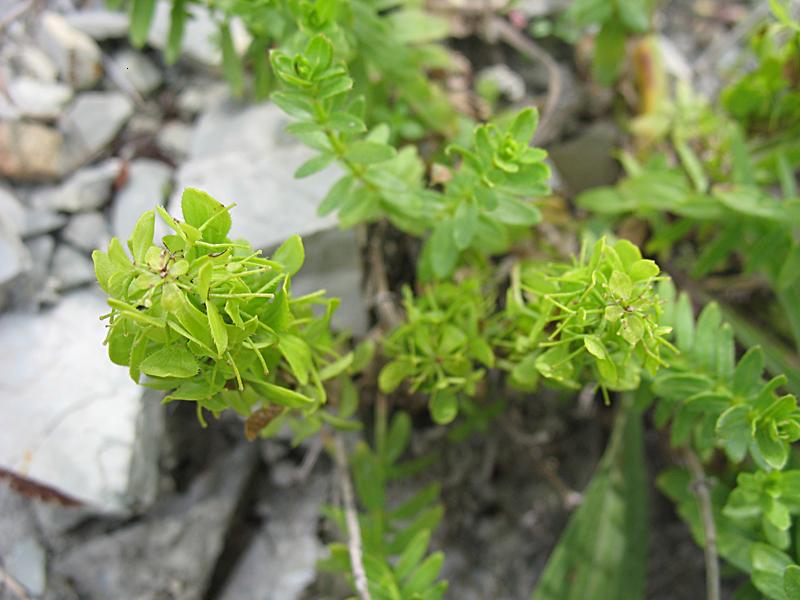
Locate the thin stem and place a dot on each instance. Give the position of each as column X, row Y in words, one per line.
column 351, row 518
column 701, row 489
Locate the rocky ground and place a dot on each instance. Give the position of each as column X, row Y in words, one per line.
column 106, row 494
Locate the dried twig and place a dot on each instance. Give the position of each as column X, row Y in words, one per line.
column 502, row 29
column 701, row 489
column 12, row 585
column 388, row 313
column 353, row 529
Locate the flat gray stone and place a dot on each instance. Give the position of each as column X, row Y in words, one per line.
column 146, row 187
column 26, row 563
column 69, row 414
column 71, row 268
column 588, row 160
column 100, row 24
column 333, row 263
column 87, row 189
column 90, row 123
column 14, row 257
column 138, row 70
column 87, row 231
column 74, row 53
column 39, row 99
column 38, row 222
column 280, row 563
column 175, row 139
column 172, row 552
column 241, row 154
column 30, row 59
column 198, row 96
column 12, row 210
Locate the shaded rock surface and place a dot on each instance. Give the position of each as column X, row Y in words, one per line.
column 75, row 54
column 69, row 415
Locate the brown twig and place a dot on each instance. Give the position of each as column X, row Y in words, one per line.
column 388, row 313
column 502, row 29
column 701, row 490
column 351, row 518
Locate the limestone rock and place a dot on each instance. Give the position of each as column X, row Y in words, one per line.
column 76, row 55
column 138, row 70
column 147, row 186
column 69, row 414
column 30, row 151
column 87, row 189
column 38, row 99
column 90, row 123
column 87, row 231
column 99, row 24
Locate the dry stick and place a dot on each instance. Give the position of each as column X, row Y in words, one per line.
column 388, row 312
column 353, row 529
column 701, row 490
column 524, row 45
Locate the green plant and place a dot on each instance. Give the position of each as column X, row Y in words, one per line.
column 209, row 320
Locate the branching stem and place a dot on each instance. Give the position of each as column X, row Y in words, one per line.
column 701, row 489
column 351, row 517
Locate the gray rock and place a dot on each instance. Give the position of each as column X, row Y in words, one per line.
column 197, row 97
column 38, row 222
column 146, row 187
column 76, row 55
column 69, row 414
column 31, row 60
column 37, row 287
column 240, row 154
column 333, row 263
column 71, row 268
column 175, row 140
column 38, row 99
column 171, row 553
column 138, row 70
column 14, row 257
column 30, row 151
column 90, row 123
column 26, row 563
column 12, row 211
column 281, row 561
column 199, row 36
column 507, row 82
column 588, row 160
column 87, row 189
column 99, row 24
column 87, row 231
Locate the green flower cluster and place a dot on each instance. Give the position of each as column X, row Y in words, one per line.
column 600, row 313
column 211, row 320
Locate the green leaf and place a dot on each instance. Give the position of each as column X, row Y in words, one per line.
column 291, row 254
column 142, row 12
column 513, row 211
column 643, row 269
column 393, row 374
column 705, row 338
column 283, row 396
column 747, row 374
column 174, row 361
column 346, row 123
column 443, row 407
column 524, row 125
column 442, row 249
column 595, row 346
column 735, row 431
column 297, row 353
column 314, row 165
column 424, row 576
column 142, row 236
column 412, row 554
column 684, row 323
column 338, row 195
column 231, row 62
column 177, row 24
column 775, row 452
column 465, row 224
column 397, row 437
column 206, row 214
column 601, row 555
column 634, row 14
column 367, row 153
column 609, row 52
column 217, row 326
column 791, row 581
